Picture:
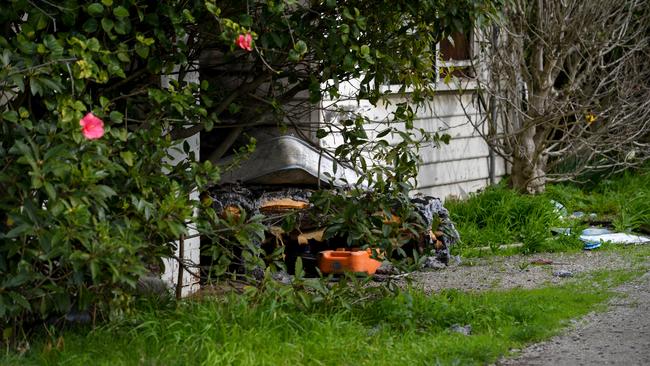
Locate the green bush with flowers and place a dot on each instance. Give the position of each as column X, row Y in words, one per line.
column 87, row 197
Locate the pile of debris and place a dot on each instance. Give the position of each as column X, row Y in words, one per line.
column 307, row 240
column 258, row 185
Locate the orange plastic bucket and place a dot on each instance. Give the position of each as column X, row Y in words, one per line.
column 339, row 261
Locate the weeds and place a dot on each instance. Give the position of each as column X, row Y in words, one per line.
column 499, row 215
column 623, row 200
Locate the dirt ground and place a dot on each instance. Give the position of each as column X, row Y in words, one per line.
column 618, row 336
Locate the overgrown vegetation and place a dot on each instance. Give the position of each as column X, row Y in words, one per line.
column 350, row 327
column 500, row 216
column 94, row 95
column 623, row 199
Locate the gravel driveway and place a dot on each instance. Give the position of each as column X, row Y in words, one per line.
column 506, row 272
column 618, row 336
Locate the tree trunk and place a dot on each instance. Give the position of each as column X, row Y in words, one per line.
column 528, row 173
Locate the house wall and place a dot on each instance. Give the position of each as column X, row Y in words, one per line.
column 463, row 166
column 456, row 169
column 191, row 245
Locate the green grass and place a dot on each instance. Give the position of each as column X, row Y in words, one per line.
column 500, row 215
column 622, row 199
column 409, row 327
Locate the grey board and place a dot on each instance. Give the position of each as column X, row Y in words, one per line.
column 287, row 160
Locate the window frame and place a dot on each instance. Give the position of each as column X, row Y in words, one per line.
column 456, row 83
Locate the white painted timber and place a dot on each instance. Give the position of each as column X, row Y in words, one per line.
column 191, row 245
column 456, row 169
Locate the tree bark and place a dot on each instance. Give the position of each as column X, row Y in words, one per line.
column 528, row 173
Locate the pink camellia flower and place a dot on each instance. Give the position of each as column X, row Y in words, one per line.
column 91, row 126
column 245, row 41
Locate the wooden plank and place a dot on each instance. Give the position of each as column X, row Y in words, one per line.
column 282, row 204
column 458, row 149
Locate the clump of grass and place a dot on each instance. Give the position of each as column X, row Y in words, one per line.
column 623, row 200
column 404, row 328
column 500, row 215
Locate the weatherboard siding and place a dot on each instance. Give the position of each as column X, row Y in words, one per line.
column 456, row 169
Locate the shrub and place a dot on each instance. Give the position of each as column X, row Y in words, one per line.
column 84, row 210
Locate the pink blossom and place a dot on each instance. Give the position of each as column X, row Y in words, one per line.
column 245, row 41
column 91, row 126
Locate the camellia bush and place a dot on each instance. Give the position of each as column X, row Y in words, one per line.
column 88, row 199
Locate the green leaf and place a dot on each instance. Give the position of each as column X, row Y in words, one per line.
column 120, row 12
column 349, row 62
column 321, row 133
column 103, row 191
column 35, row 87
column 90, row 25
column 19, row 230
column 293, row 56
column 11, row 116
column 20, row 300
column 300, row 47
column 19, row 81
column 93, row 44
column 127, row 156
column 52, row 85
column 116, row 70
column 347, row 15
column 120, row 133
column 50, row 42
column 107, row 2
column 299, row 272
column 94, row 269
column 49, row 189
column 107, row 24
column 103, row 101
column 122, row 26
column 5, row 57
column 142, row 50
column 116, row 116
column 95, row 9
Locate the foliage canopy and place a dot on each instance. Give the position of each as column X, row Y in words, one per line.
column 80, row 219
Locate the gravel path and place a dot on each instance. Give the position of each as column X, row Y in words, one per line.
column 618, row 336
column 520, row 271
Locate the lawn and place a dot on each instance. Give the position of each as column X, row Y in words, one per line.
column 404, row 327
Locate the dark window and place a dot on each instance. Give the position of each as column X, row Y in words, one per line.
column 458, row 50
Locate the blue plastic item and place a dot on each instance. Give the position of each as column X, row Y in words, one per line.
column 590, row 245
column 595, row 231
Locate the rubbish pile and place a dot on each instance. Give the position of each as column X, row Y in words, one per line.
column 258, row 185
column 308, row 241
column 594, row 236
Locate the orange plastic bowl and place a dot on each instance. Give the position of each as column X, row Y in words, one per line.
column 339, row 261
